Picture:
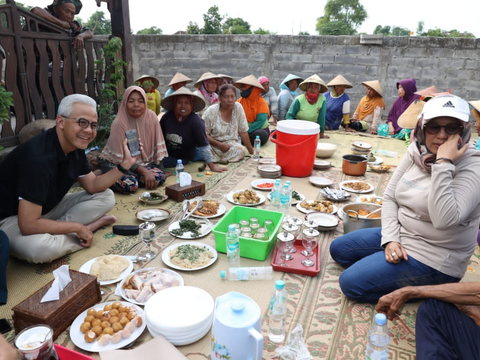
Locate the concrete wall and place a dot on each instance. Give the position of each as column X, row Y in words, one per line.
column 447, row 63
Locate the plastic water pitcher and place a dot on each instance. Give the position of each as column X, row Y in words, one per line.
column 236, row 330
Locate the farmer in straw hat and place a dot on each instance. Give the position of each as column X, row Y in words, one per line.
column 311, row 106
column 338, row 104
column 206, row 89
column 184, row 130
column 270, row 96
column 149, row 84
column 368, row 115
column 179, row 80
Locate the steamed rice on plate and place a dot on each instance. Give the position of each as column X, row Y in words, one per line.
column 190, row 256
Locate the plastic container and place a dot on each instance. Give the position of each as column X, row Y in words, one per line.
column 378, row 339
column 387, row 153
column 296, row 142
column 249, row 247
column 178, row 169
column 278, row 313
column 256, row 148
column 248, row 273
column 233, row 247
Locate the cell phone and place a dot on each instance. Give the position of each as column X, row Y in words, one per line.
column 4, row 326
column 133, row 143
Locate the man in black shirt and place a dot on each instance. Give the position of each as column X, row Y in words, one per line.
column 41, row 220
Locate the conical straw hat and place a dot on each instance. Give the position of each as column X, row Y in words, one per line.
column 375, row 85
column 223, row 76
column 314, row 79
column 149, row 77
column 340, row 80
column 206, row 76
column 198, row 102
column 428, row 91
column 249, row 80
column 475, row 104
column 409, row 118
column 179, row 78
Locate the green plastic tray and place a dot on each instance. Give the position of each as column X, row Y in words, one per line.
column 249, row 248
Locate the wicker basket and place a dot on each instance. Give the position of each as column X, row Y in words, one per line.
column 80, row 294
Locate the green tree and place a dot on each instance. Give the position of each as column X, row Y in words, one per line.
column 261, row 31
column 420, row 26
column 213, row 21
column 399, row 31
column 385, row 30
column 19, row 4
column 193, row 29
column 447, row 33
column 236, row 26
column 150, row 31
column 98, row 24
column 304, row 33
column 341, row 17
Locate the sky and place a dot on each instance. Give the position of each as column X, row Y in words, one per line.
column 289, row 18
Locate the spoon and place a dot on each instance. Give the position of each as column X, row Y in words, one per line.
column 374, row 212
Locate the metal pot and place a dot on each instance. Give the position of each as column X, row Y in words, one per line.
column 355, row 165
column 354, row 222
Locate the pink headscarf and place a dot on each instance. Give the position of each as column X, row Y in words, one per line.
column 148, row 130
column 262, row 79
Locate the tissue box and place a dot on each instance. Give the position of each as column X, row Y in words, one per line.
column 180, row 193
column 80, row 294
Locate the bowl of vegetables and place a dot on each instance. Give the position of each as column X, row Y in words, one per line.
column 153, row 197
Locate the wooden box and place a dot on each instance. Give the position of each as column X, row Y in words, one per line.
column 80, row 294
column 177, row 193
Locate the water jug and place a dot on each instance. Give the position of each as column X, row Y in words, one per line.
column 236, row 330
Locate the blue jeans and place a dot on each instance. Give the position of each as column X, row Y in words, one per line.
column 369, row 276
column 444, row 332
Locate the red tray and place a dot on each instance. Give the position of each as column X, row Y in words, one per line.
column 295, row 265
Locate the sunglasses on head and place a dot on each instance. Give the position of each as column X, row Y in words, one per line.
column 450, row 129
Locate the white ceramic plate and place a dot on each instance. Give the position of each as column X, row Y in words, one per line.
column 294, row 201
column 367, row 199
column 305, row 211
column 324, row 220
column 152, row 214
column 85, row 268
column 363, row 145
column 371, row 187
column 220, row 212
column 167, row 271
column 230, row 198
column 163, row 197
column 79, row 339
column 320, row 181
column 321, row 164
column 269, row 168
column 378, row 161
column 257, row 182
column 166, row 258
column 205, row 229
column 267, row 161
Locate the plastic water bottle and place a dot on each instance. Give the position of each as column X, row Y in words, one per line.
column 378, row 339
column 248, row 273
column 387, row 153
column 289, row 183
column 233, row 247
column 278, row 313
column 256, row 148
column 178, row 169
column 91, row 149
column 275, row 194
column 285, row 198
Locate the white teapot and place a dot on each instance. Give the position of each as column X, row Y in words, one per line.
column 236, row 331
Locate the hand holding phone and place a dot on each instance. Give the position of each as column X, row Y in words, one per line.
column 132, row 142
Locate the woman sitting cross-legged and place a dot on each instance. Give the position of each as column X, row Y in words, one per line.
column 430, row 213
column 224, row 122
column 148, row 170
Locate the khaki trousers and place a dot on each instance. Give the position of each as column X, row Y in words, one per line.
column 80, row 207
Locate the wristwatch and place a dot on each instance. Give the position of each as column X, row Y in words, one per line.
column 122, row 169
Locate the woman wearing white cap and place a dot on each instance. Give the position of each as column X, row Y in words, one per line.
column 430, row 213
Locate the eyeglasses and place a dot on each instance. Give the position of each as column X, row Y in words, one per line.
column 84, row 123
column 450, row 129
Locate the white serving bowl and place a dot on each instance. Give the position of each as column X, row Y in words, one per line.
column 325, row 150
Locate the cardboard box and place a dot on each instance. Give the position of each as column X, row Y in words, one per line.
column 80, row 294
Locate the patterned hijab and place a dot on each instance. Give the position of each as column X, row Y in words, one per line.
column 148, row 130
column 210, row 97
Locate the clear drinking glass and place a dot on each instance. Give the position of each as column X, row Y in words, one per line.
column 292, row 229
column 147, row 234
column 310, row 238
column 284, row 245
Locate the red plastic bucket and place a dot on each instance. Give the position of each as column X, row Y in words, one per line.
column 296, row 142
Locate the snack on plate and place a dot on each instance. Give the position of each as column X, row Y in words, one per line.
column 209, row 208
column 112, row 323
column 364, row 213
column 190, row 256
column 371, row 200
column 142, row 285
column 246, row 197
column 108, row 267
column 318, row 205
column 358, row 186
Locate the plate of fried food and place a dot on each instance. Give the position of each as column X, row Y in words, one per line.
column 355, row 186
column 109, row 269
column 189, row 256
column 326, row 206
column 142, row 284
column 108, row 326
column 372, row 199
column 245, row 198
column 210, row 209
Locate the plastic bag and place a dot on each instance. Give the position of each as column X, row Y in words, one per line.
column 296, row 349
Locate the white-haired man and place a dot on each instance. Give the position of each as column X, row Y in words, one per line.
column 43, row 221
